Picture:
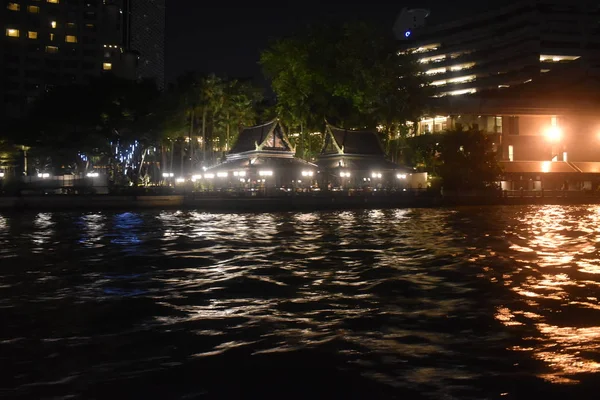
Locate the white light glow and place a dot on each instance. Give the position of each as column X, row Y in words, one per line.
column 168, row 175
column 401, row 176
column 265, row 173
column 222, row 174
column 196, row 177
column 345, row 174
column 180, row 180
column 1, row 174
column 92, row 175
column 307, row 173
column 209, row 176
column 44, row 175
column 546, row 165
column 553, row 133
column 376, row 175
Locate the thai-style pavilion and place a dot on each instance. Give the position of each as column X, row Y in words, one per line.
column 263, row 156
column 356, row 158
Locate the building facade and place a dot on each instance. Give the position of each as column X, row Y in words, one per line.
column 546, row 134
column 145, row 20
column 504, row 47
column 59, row 42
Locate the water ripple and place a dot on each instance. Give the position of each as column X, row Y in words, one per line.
column 472, row 303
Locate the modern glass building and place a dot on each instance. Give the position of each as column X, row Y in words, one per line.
column 56, row 42
column 504, row 47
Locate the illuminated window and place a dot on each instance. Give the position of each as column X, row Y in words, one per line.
column 427, row 60
column 462, row 79
column 423, row 49
column 435, row 71
column 106, row 66
column 53, row 1
column 51, row 49
column 460, row 67
column 13, row 6
column 52, row 37
column 32, row 35
column 498, row 123
column 557, row 58
column 511, row 153
column 71, row 39
column 459, row 92
column 33, row 9
column 53, row 24
column 12, row 32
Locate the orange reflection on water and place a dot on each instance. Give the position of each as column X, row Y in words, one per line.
column 556, row 257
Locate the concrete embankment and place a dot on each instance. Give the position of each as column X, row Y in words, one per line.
column 222, row 204
column 88, row 202
column 271, row 204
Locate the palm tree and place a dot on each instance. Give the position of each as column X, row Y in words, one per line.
column 238, row 109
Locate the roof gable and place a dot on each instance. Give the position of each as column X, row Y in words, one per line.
column 343, row 141
column 267, row 137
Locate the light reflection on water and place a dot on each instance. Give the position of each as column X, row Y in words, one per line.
column 555, row 259
column 497, row 302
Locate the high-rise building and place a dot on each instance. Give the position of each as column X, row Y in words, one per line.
column 146, row 36
column 57, row 42
column 504, row 47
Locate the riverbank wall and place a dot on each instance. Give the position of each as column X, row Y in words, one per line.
column 321, row 202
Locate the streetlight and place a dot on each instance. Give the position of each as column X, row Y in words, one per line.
column 553, row 133
column 376, row 175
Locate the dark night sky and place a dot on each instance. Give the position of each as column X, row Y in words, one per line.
column 227, row 39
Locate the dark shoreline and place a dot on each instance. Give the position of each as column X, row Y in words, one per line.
column 273, row 204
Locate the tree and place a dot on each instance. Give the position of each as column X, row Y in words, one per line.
column 351, row 75
column 468, row 161
column 110, row 120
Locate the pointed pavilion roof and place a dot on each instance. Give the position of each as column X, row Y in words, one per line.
column 269, row 137
column 357, row 150
column 345, row 141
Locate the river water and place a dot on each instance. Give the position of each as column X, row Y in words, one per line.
column 469, row 303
